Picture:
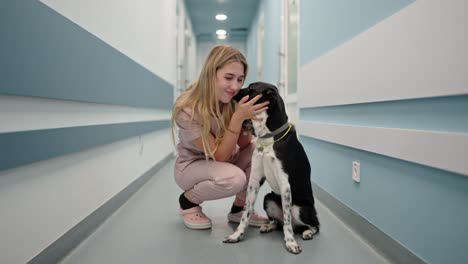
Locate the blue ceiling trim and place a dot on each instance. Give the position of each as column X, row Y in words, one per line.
column 240, row 16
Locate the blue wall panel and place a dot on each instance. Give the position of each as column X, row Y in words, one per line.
column 326, row 24
column 421, row 207
column 20, row 148
column 44, row 54
column 437, row 114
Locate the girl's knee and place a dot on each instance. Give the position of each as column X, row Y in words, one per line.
column 232, row 181
column 240, row 182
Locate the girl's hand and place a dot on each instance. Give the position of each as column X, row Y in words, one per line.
column 248, row 109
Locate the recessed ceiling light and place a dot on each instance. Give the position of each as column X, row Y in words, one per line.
column 221, row 36
column 221, row 17
column 220, row 32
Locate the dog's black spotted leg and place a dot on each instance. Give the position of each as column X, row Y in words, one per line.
column 252, row 191
column 291, row 244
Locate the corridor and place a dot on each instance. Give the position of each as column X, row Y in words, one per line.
column 377, row 91
column 148, row 229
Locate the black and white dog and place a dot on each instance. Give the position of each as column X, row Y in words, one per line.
column 280, row 159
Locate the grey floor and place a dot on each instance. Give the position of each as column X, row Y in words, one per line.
column 148, row 229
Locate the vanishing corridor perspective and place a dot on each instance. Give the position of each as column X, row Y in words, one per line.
column 86, row 149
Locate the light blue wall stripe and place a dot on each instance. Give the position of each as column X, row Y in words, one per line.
column 438, row 114
column 325, row 24
column 422, row 208
column 20, row 148
column 44, row 54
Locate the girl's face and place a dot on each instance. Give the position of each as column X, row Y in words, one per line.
column 229, row 80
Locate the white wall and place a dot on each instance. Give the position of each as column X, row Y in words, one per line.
column 41, row 201
column 270, row 12
column 186, row 48
column 386, row 84
column 380, row 65
column 141, row 29
column 408, row 55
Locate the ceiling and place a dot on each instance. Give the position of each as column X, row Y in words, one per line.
column 240, row 16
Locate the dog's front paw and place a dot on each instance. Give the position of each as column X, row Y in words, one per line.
column 267, row 228
column 293, row 247
column 234, row 238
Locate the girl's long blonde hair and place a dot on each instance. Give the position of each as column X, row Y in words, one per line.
column 201, row 96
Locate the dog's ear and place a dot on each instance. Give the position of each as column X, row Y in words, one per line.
column 269, row 92
column 274, row 88
column 271, row 89
column 242, row 92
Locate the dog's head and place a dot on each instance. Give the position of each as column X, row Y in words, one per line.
column 268, row 91
column 276, row 113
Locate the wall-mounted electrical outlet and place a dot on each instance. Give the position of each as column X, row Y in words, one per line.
column 356, row 173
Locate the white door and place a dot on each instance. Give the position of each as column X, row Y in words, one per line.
column 260, row 48
column 183, row 42
column 288, row 57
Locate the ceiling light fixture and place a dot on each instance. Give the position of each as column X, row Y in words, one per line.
column 221, row 36
column 221, row 17
column 220, row 32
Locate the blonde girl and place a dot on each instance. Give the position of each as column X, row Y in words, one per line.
column 214, row 152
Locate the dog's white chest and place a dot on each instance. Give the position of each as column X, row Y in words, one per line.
column 267, row 164
column 270, row 167
column 265, row 145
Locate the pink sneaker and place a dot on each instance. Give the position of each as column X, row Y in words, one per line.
column 255, row 219
column 194, row 218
